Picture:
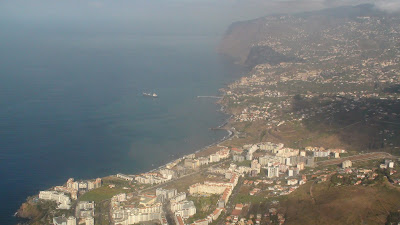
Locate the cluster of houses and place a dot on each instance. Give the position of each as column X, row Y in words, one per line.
column 316, row 73
column 236, row 218
column 130, row 214
column 150, row 207
column 274, row 159
column 357, row 176
column 156, row 177
column 192, row 162
column 222, row 188
column 84, row 214
column 322, row 152
column 63, row 194
column 63, row 201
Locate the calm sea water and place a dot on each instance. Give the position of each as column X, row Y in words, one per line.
column 71, row 106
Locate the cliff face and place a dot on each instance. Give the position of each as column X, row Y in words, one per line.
column 28, row 211
column 275, row 39
column 239, row 38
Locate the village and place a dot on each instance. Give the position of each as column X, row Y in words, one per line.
column 330, row 89
column 231, row 181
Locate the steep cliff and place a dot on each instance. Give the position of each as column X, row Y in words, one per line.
column 239, row 38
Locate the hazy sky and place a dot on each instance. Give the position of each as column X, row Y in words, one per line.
column 154, row 16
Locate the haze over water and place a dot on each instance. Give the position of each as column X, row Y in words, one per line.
column 72, row 75
column 76, row 109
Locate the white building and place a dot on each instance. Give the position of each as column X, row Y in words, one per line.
column 272, row 171
column 164, row 194
column 120, row 197
column 322, row 153
column 264, row 160
column 300, row 166
column 62, row 200
column 389, row 163
column 150, row 178
column 238, row 158
column 346, row 164
column 255, row 166
column 62, row 220
column 179, row 197
column 223, row 154
column 336, row 155
column 94, row 184
column 287, row 162
column 167, row 173
column 125, row 177
column 84, row 209
column 292, row 182
column 214, row 158
column 184, row 208
column 203, row 161
column 133, row 216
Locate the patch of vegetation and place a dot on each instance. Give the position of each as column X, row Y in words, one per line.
column 102, row 213
column 341, row 204
column 246, row 163
column 393, row 218
column 246, row 198
column 183, row 184
column 101, row 194
column 204, row 206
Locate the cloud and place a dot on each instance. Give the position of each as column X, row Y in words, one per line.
column 388, row 5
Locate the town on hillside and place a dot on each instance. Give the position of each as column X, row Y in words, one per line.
column 315, row 137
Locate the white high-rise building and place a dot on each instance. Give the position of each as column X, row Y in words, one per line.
column 273, row 171
column 62, row 200
column 214, row 158
column 287, row 162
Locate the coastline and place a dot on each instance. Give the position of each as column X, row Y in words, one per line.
column 230, row 133
column 224, row 126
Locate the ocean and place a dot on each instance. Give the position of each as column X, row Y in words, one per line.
column 71, row 105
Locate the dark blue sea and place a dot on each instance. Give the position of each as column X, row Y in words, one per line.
column 71, row 105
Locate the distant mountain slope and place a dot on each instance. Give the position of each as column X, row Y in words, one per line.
column 241, row 37
column 265, row 54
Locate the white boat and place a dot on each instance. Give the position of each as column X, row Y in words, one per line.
column 154, row 95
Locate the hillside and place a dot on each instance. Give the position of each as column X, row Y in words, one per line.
column 241, row 37
column 327, row 78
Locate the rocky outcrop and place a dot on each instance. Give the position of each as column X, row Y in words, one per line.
column 28, row 211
